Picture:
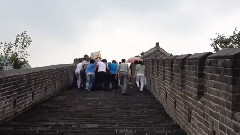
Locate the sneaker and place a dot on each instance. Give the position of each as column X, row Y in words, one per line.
column 114, row 90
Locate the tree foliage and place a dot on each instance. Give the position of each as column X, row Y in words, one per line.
column 15, row 54
column 221, row 41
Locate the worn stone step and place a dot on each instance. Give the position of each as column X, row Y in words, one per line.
column 97, row 113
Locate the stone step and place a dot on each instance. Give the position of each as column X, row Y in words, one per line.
column 99, row 112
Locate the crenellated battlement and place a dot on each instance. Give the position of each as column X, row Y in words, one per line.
column 200, row 91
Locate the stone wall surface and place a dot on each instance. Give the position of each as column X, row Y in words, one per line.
column 20, row 89
column 201, row 92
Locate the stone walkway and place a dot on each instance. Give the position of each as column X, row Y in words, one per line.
column 75, row 112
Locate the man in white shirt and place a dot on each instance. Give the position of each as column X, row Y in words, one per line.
column 77, row 72
column 101, row 77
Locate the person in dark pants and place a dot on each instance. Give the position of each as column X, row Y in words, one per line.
column 101, row 78
column 74, row 82
column 83, row 77
column 113, row 71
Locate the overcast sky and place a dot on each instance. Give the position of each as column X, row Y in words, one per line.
column 62, row 30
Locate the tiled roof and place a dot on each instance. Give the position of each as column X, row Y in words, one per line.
column 155, row 52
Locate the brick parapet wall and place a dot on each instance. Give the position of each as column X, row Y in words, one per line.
column 161, row 77
column 20, row 89
column 201, row 92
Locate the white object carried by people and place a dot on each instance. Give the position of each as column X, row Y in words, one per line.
column 96, row 55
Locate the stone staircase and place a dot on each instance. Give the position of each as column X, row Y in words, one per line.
column 75, row 112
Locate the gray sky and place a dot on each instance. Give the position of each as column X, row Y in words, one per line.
column 62, row 30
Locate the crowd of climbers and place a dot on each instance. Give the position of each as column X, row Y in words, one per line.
column 100, row 75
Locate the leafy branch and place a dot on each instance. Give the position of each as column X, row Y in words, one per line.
column 221, row 41
column 15, row 54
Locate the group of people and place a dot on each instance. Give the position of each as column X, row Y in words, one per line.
column 100, row 75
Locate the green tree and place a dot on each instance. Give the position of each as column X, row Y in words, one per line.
column 15, row 54
column 221, row 41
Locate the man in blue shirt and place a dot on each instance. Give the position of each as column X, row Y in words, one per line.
column 90, row 74
column 113, row 71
